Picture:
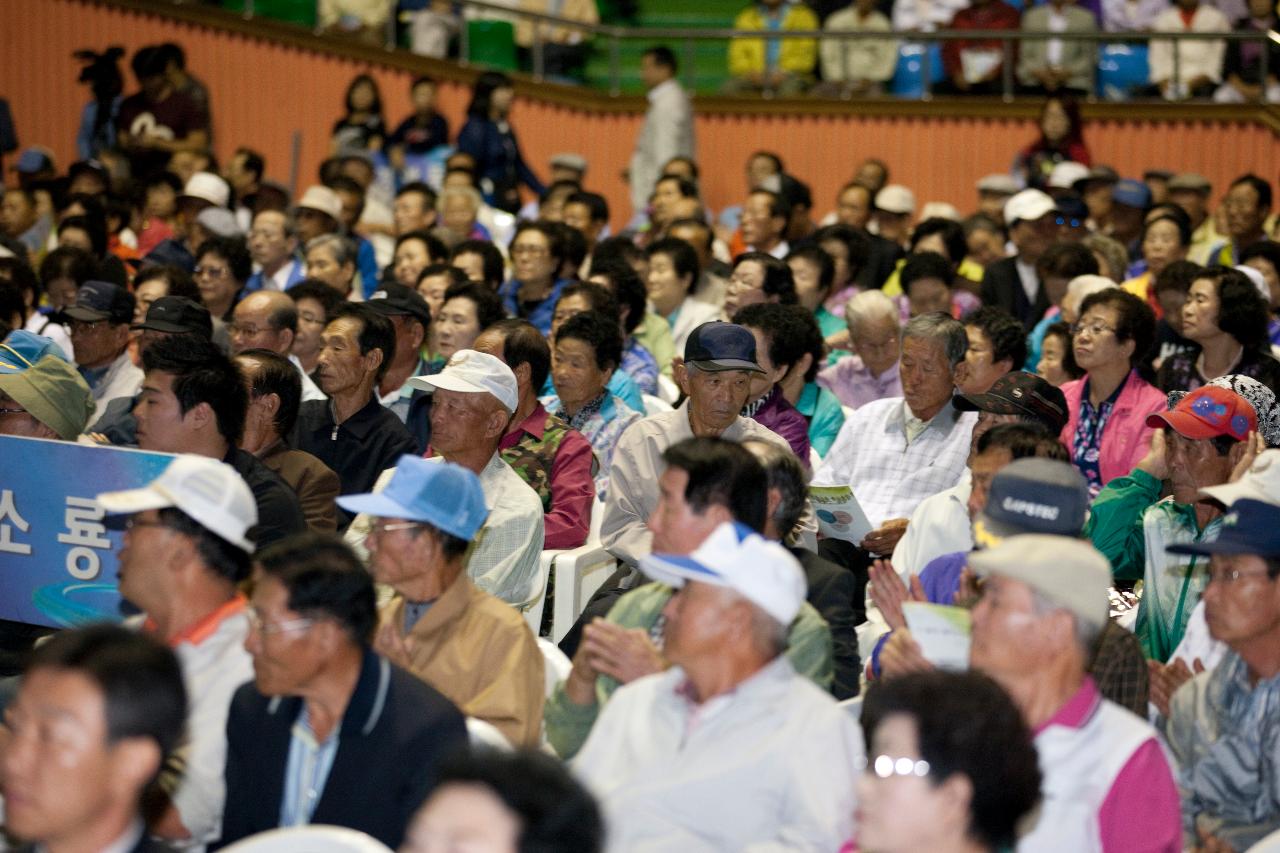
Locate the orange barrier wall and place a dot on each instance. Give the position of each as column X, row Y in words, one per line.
column 262, row 92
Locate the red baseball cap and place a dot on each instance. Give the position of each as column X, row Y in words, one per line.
column 1209, row 412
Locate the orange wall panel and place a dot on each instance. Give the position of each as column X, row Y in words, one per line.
column 263, row 92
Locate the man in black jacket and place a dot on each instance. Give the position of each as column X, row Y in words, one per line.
column 328, row 732
column 1012, row 283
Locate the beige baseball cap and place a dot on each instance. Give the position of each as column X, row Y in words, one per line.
column 1069, row 572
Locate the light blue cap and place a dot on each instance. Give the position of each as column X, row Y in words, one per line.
column 22, row 349
column 439, row 493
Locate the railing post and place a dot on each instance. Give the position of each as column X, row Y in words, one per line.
column 1176, row 85
column 926, row 70
column 391, row 26
column 690, row 57
column 539, row 61
column 1264, row 37
column 1006, row 69
column 615, row 62
column 464, row 43
column 248, row 9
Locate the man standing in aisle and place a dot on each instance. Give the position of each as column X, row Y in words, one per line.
column 668, row 124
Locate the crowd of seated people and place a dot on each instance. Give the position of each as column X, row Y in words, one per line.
column 1056, row 409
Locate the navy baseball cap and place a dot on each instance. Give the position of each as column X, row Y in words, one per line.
column 1032, row 495
column 1249, row 527
column 1131, row 193
column 393, row 299
column 177, row 315
column 721, row 346
column 439, row 493
column 102, row 300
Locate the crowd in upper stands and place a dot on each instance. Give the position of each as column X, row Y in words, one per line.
column 394, row 401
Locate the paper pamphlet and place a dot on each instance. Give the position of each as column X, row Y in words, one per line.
column 840, row 516
column 941, row 631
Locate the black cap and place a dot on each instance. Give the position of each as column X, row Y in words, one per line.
column 721, row 346
column 177, row 315
column 102, row 300
column 91, row 167
column 395, row 299
column 1023, row 394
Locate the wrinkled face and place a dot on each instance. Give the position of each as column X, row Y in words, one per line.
column 269, row 241
column 432, row 290
column 927, row 295
column 566, row 307
column 1194, row 463
column 280, row 641
column 983, row 468
column 150, row 548
column 395, row 552
column 927, row 377
column 16, row 420
column 162, row 426
column 1244, row 211
column 311, row 322
column 214, row 279
column 251, row 327
column 1006, row 639
column 853, row 207
column 760, row 228
column 1200, row 311
column 883, row 803
column 716, row 398
column 980, row 371
column 665, row 288
column 322, row 264
column 456, row 326
column 531, row 258
column 460, row 418
column 60, row 773
column 97, row 343
column 1161, row 245
column 1052, row 355
column 411, row 213
column 463, row 818
column 746, row 287
column 341, row 367
column 695, row 626
column 877, row 342
column 1095, row 343
column 1240, row 603
column 411, row 258
column 577, row 377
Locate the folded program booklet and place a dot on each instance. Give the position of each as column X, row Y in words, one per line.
column 941, row 631
column 840, row 516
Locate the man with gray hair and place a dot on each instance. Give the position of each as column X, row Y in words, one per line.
column 875, row 334
column 331, row 258
column 273, row 243
column 898, row 451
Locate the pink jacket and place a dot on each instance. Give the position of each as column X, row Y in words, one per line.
column 1126, row 436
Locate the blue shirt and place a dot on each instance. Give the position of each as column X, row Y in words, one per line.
column 306, row 771
column 540, row 314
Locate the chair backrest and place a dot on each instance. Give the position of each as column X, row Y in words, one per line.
column 556, row 664
column 668, row 390
column 313, row 839
column 483, row 734
column 853, row 707
column 533, row 613
column 655, row 405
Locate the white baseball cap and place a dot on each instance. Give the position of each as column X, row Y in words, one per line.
column 1065, row 174
column 207, row 186
column 896, row 198
column 472, row 371
column 209, row 491
column 1261, row 482
column 999, row 183
column 734, row 556
column 939, row 210
column 1028, row 205
column 323, row 199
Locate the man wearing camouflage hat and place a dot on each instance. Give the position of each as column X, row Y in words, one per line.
column 41, row 394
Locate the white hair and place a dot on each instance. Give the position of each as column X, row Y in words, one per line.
column 868, row 307
column 1080, row 287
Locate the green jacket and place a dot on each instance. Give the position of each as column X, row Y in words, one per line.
column 1133, row 528
column 567, row 724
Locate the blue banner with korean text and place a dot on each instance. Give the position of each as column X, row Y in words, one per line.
column 58, row 562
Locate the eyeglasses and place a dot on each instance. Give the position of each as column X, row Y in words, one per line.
column 1094, row 329
column 13, row 411
column 133, row 522
column 1231, row 576
column 84, row 326
column 529, row 250
column 210, row 272
column 266, row 629
column 886, row 766
column 245, row 329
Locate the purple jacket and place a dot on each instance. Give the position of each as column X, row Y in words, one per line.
column 776, row 413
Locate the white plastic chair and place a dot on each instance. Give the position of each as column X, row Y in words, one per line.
column 668, row 390
column 317, row 838
column 655, row 405
column 533, row 611
column 556, row 664
column 485, row 735
column 852, row 707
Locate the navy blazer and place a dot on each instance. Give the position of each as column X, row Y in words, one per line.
column 394, row 734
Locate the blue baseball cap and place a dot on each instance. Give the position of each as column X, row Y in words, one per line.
column 1249, row 527
column 721, row 346
column 1131, row 193
column 22, row 349
column 439, row 493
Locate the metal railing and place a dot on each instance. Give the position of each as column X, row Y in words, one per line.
column 615, row 35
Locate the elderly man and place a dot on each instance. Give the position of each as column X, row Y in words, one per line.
column 274, row 398
column 193, row 400
column 98, row 712
column 941, row 523
column 1107, row 784
column 186, row 548
column 274, row 247
column 99, row 324
column 875, row 335
column 553, row 459
column 351, row 432
column 322, row 698
column 1197, row 445
column 730, row 748
column 269, row 320
column 719, row 359
column 1013, row 283
column 706, row 482
column 898, row 451
column 473, row 398
column 41, row 395
column 470, row 646
column 410, row 317
column 1222, row 729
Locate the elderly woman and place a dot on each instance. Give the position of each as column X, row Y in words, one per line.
column 1106, row 431
column 537, row 253
column 587, row 350
column 415, row 251
column 673, row 272
column 1226, row 318
column 468, row 309
column 459, row 209
column 759, row 277
column 875, row 333
column 932, row 780
column 223, row 266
